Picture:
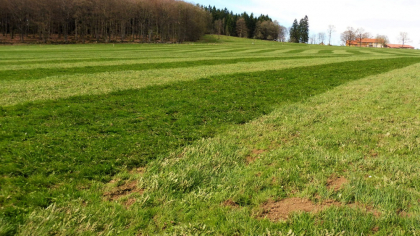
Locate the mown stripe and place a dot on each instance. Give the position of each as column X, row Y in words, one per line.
column 38, row 73
column 92, row 137
column 296, row 51
column 325, row 51
column 355, row 52
column 266, row 50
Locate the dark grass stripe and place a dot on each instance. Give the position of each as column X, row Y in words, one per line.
column 39, row 73
column 93, row 137
column 67, row 61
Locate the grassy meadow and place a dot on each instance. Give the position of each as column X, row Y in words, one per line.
column 224, row 136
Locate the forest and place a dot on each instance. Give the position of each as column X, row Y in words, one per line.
column 84, row 21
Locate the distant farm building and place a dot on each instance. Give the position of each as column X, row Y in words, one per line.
column 365, row 43
column 374, row 43
column 399, row 46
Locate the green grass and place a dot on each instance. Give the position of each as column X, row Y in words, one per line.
column 312, row 117
column 38, row 73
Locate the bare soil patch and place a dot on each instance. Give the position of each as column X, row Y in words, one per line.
column 255, row 154
column 336, row 183
column 129, row 202
column 403, row 214
column 230, row 203
column 281, row 210
column 277, row 211
column 123, row 190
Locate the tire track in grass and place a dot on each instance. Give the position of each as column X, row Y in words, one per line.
column 93, row 137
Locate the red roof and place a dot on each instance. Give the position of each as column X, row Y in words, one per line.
column 399, row 46
column 368, row 40
column 357, row 41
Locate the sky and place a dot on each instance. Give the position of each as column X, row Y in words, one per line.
column 385, row 17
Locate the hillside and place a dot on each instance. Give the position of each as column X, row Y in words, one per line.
column 225, row 136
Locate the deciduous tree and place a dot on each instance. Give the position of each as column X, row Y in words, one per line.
column 241, row 28
column 321, row 37
column 403, row 38
column 348, row 36
column 382, row 40
column 103, row 20
column 361, row 34
column 330, row 31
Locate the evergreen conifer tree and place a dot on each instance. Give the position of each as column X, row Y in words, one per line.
column 304, row 30
column 294, row 32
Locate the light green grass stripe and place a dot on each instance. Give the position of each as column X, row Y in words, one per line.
column 311, row 51
column 278, row 52
column 15, row 92
column 104, row 63
column 341, row 52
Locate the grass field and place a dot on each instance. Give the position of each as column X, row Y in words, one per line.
column 219, row 137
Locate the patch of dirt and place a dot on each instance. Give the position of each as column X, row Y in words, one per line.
column 277, row 211
column 139, row 170
column 254, row 155
column 230, row 203
column 273, row 180
column 123, row 190
column 375, row 229
column 403, row 214
column 281, row 210
column 336, row 183
column 373, row 153
column 129, row 202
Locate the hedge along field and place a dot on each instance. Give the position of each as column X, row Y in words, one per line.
column 59, row 152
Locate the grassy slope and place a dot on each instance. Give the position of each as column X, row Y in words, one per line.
column 59, row 153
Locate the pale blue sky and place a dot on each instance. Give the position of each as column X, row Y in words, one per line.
column 387, row 17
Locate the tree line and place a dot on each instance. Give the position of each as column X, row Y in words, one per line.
column 71, row 21
column 102, row 20
column 245, row 25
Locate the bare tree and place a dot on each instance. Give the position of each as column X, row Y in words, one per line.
column 360, row 35
column 330, row 30
column 267, row 30
column 103, row 20
column 283, row 32
column 321, row 37
column 403, row 38
column 312, row 39
column 348, row 36
column 219, row 26
column 241, row 28
column 382, row 40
